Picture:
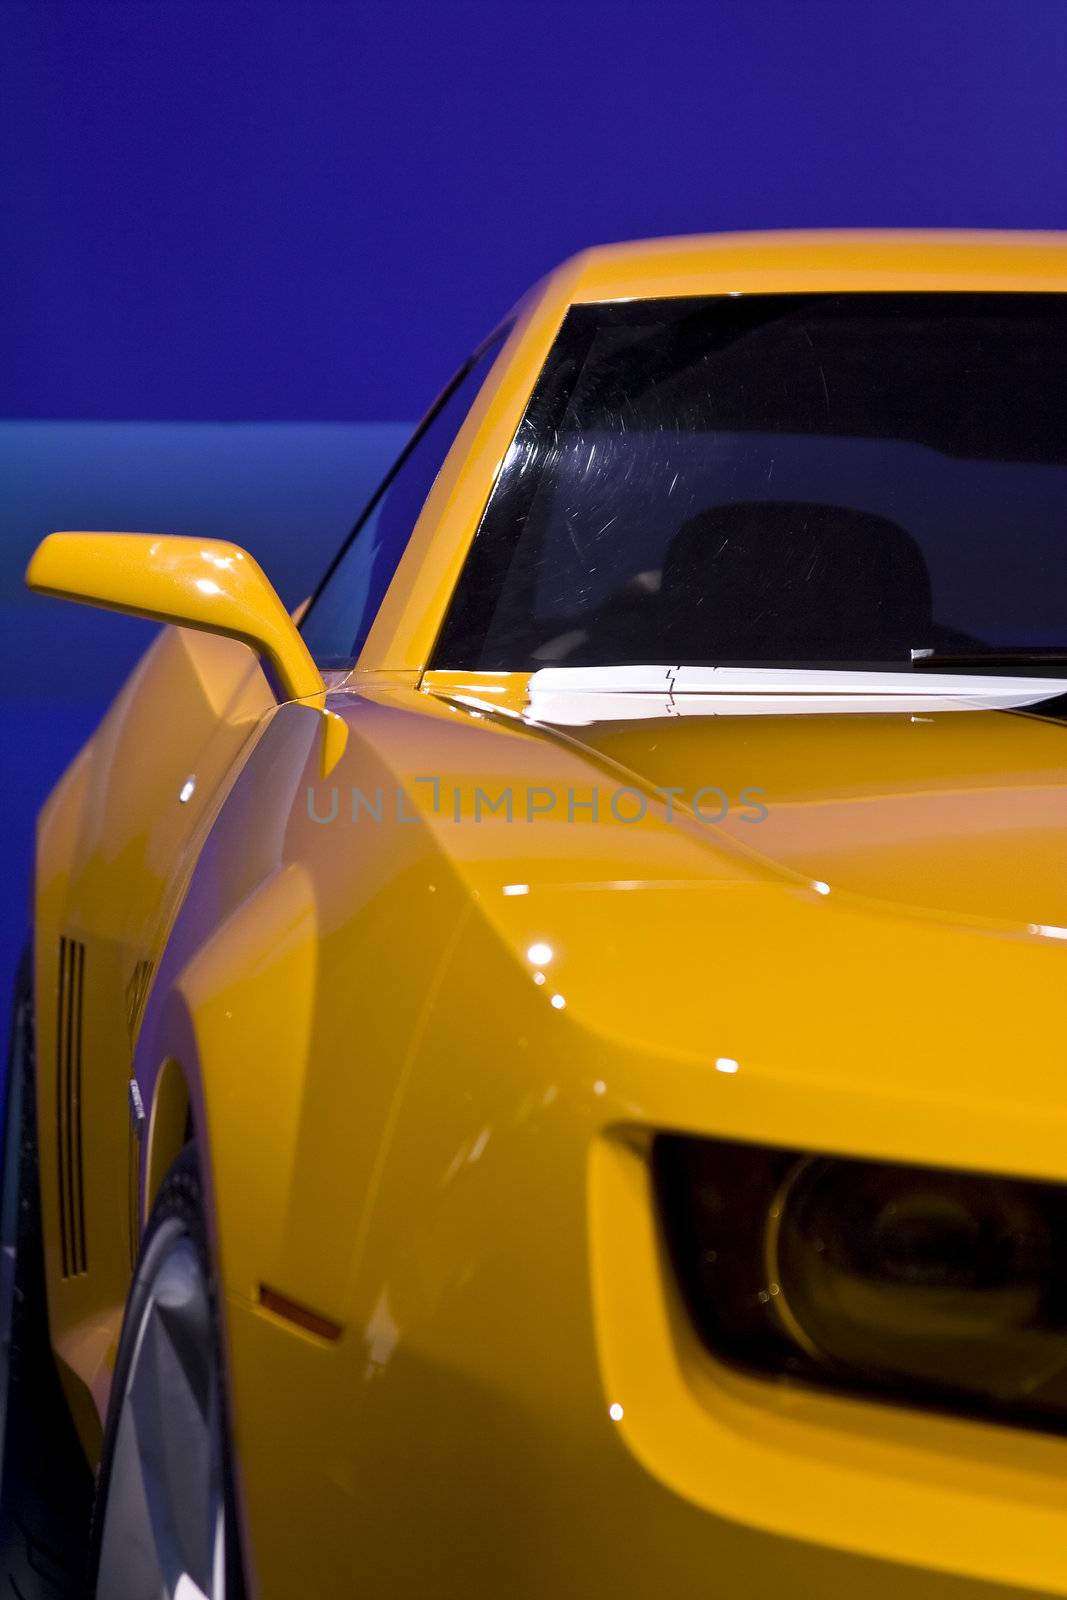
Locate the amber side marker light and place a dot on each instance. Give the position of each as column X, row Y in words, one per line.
column 301, row 1316
column 915, row 1285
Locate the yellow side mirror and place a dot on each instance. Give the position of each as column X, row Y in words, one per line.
column 195, row 583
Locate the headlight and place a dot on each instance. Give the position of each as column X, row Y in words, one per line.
column 928, row 1287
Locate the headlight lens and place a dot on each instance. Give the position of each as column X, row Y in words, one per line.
column 931, row 1287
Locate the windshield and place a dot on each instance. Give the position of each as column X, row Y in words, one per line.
column 830, row 481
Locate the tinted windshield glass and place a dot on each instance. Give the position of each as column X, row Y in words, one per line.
column 780, row 480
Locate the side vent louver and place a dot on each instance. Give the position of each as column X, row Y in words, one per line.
column 69, row 1106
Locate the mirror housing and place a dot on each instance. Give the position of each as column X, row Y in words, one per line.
column 193, row 583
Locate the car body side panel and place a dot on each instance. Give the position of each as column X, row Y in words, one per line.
column 113, row 846
column 290, row 995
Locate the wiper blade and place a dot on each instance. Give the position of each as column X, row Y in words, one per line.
column 939, row 660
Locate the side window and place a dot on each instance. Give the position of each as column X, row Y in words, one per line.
column 346, row 602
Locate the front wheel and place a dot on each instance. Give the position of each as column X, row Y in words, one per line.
column 164, row 1523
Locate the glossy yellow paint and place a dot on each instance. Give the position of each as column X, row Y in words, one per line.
column 196, row 583
column 406, row 1132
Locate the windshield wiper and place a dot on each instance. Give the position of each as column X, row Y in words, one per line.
column 939, row 660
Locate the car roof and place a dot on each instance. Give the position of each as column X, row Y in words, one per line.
column 819, row 261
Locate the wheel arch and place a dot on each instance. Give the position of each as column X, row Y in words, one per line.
column 221, row 1057
column 168, row 1132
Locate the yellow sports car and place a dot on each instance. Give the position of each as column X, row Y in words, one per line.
column 544, row 1074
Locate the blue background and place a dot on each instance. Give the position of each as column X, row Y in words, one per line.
column 241, row 242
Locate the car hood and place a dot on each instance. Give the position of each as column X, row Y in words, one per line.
column 958, row 812
column 888, row 940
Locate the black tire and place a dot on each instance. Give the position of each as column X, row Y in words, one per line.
column 178, row 1214
column 46, row 1485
